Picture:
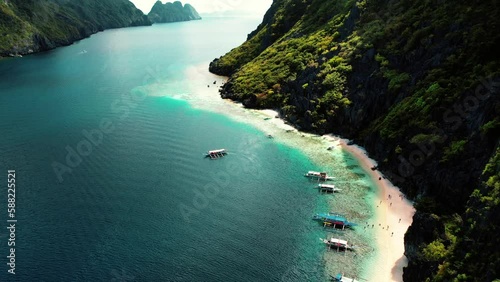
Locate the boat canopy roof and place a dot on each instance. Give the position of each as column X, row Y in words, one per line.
column 338, row 241
column 217, row 151
column 316, row 172
column 332, row 217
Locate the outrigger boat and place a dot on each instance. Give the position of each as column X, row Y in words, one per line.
column 333, row 220
column 215, row 154
column 318, row 175
column 328, row 188
column 341, row 278
column 338, row 244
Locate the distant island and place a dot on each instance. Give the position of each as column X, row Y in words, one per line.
column 172, row 12
column 30, row 26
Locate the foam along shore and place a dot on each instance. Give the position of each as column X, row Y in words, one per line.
column 389, row 260
column 393, row 212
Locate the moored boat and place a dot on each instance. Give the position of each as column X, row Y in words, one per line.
column 329, row 188
column 338, row 244
column 215, row 154
column 333, row 220
column 318, row 175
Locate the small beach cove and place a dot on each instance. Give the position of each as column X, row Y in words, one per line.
column 381, row 211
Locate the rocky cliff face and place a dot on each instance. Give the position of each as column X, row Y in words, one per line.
column 29, row 26
column 172, row 12
column 415, row 83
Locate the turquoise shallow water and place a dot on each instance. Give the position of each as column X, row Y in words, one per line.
column 141, row 203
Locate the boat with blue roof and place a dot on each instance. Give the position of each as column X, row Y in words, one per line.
column 334, row 220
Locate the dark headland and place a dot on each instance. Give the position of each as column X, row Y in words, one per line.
column 30, row 26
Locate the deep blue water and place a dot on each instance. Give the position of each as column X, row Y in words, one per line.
column 142, row 204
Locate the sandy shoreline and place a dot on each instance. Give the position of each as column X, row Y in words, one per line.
column 393, row 216
column 393, row 211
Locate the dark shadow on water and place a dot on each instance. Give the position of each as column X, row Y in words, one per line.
column 352, row 167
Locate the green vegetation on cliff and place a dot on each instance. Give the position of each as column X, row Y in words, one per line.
column 28, row 26
column 473, row 253
column 172, row 12
column 416, row 83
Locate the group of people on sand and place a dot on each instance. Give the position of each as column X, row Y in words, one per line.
column 390, row 204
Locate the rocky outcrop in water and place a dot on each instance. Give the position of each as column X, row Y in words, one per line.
column 172, row 12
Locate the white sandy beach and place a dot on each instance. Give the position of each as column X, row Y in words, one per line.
column 393, row 216
column 391, row 210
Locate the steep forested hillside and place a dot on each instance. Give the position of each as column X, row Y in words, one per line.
column 28, row 26
column 416, row 83
column 172, row 12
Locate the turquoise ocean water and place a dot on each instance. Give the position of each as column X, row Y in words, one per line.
column 111, row 183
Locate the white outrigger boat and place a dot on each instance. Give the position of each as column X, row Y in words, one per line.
column 341, row 278
column 318, row 175
column 328, row 188
column 215, row 154
column 338, row 244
